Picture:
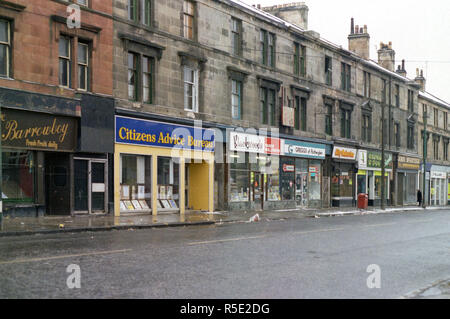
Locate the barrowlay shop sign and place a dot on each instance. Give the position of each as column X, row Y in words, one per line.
column 38, row 131
column 151, row 133
column 301, row 149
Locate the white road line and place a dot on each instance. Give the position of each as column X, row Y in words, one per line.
column 378, row 225
column 16, row 261
column 317, row 231
column 224, row 240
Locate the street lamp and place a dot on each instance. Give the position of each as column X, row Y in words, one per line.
column 425, row 140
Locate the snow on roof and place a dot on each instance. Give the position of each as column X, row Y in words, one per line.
column 433, row 98
column 376, row 65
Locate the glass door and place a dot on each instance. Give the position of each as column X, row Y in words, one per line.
column 90, row 186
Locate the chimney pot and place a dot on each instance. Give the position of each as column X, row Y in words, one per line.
column 352, row 26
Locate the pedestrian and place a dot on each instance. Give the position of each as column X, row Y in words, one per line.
column 419, row 197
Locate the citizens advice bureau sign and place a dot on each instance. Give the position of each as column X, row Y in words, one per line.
column 151, row 133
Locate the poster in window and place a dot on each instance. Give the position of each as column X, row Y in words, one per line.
column 129, row 205
column 173, row 204
column 125, row 192
column 162, row 192
column 136, row 204
column 144, row 204
column 141, row 192
column 122, row 206
column 166, row 203
column 133, row 192
column 169, row 192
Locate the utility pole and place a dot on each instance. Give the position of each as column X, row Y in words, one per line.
column 425, row 140
column 1, row 168
column 383, row 195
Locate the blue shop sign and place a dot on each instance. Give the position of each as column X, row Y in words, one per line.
column 151, row 133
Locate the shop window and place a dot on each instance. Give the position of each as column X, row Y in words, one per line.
column 267, row 43
column 147, row 79
column 345, row 77
column 18, row 176
column 239, row 178
column 5, row 48
column 342, row 181
column 287, row 175
column 140, row 11
column 346, row 116
column 132, row 76
column 168, row 183
column 271, row 165
column 328, row 119
column 367, row 84
column 366, row 129
column 135, row 183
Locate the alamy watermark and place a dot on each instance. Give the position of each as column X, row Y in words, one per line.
column 74, row 18
column 374, row 279
column 74, row 279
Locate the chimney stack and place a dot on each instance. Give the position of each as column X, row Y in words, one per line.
column 386, row 56
column 420, row 80
column 295, row 13
column 401, row 69
column 359, row 40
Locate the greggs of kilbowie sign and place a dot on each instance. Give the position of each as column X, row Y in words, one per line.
column 344, row 153
column 38, row 131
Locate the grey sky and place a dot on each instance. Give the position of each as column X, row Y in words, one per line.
column 419, row 31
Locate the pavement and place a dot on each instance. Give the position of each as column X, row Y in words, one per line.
column 78, row 223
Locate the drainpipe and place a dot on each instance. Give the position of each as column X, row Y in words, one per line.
column 1, row 170
column 425, row 118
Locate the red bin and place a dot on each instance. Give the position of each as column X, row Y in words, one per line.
column 363, row 201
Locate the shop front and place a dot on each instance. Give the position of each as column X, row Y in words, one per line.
column 369, row 176
column 438, row 185
column 254, row 172
column 343, row 177
column 301, row 169
column 37, row 162
column 407, row 180
column 162, row 167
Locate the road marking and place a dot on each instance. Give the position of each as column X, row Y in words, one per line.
column 224, row 240
column 317, row 231
column 420, row 221
column 377, row 225
column 17, row 261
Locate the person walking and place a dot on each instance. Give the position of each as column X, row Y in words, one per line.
column 419, row 197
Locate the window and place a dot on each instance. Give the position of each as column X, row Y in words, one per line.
column 18, row 176
column 445, row 120
column 345, row 77
column 296, row 59
column 140, row 11
column 397, row 95
column 397, row 134
column 328, row 70
column 345, row 123
column 190, row 89
column 367, row 84
column 445, row 149
column 436, row 149
column 236, row 36
column 83, row 66
column 5, row 48
column 303, row 114
column 82, row 2
column 132, row 76
column 267, row 101
column 188, row 20
column 410, row 101
column 410, row 137
column 236, row 99
column 436, row 117
column 297, row 113
column 65, row 62
column 267, row 43
column 329, row 119
column 302, row 60
column 366, row 129
column 147, row 79
column 384, row 91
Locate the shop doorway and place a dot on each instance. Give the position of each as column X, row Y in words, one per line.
column 400, row 189
column 57, row 182
column 197, row 186
column 258, row 190
column 90, row 186
column 301, row 189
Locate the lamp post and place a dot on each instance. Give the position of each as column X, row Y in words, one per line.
column 1, row 168
column 425, row 140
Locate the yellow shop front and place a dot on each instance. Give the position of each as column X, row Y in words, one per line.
column 162, row 167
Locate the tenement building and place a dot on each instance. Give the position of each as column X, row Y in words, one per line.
column 56, row 107
column 284, row 118
column 433, row 142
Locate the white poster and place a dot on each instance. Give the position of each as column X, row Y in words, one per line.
column 242, row 142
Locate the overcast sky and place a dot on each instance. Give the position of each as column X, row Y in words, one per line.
column 419, row 31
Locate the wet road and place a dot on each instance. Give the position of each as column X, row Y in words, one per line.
column 304, row 258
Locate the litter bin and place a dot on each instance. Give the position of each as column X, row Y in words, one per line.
column 363, row 201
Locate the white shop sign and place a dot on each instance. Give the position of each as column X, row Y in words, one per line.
column 242, row 142
column 441, row 175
